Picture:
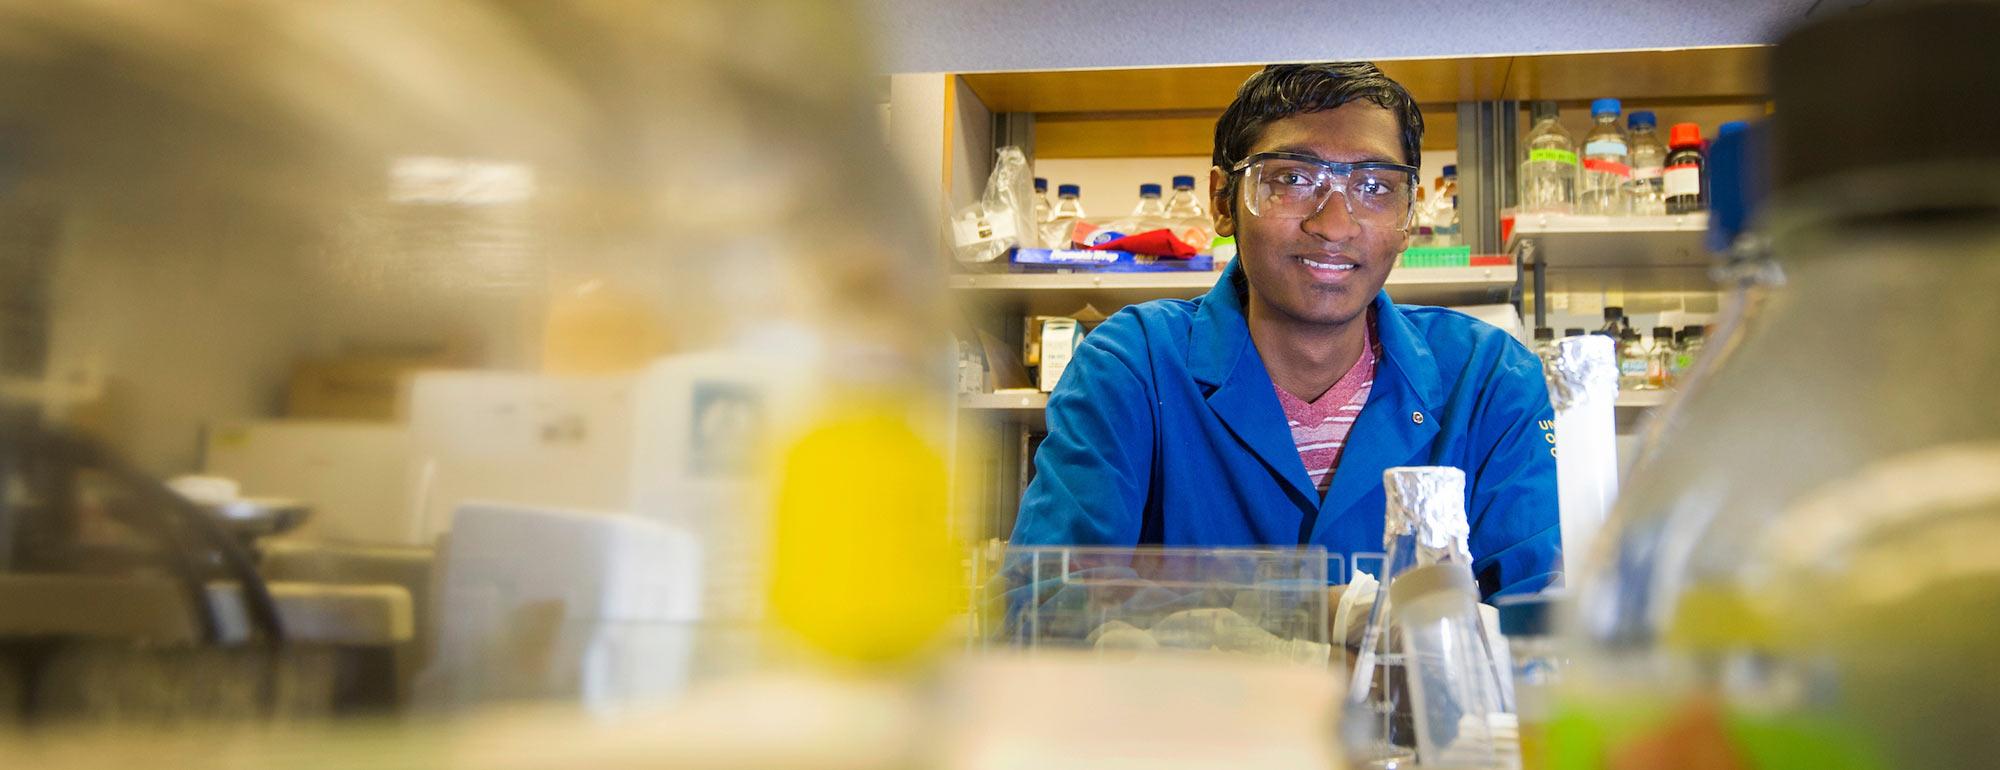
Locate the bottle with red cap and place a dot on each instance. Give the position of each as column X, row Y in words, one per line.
column 1685, row 186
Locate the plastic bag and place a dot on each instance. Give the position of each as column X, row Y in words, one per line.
column 1004, row 217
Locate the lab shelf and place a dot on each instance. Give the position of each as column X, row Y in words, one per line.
column 1027, row 406
column 1575, row 241
column 1065, row 292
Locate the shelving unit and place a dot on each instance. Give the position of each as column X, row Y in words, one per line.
column 1573, row 241
column 1028, row 407
column 1065, row 292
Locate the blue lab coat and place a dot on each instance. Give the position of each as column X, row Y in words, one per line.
column 1165, row 430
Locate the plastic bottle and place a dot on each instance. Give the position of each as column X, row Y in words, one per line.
column 1444, row 225
column 1150, row 206
column 1607, row 164
column 1548, row 173
column 1044, row 210
column 1686, row 185
column 1649, row 162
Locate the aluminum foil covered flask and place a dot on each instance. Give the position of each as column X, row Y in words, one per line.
column 1424, row 527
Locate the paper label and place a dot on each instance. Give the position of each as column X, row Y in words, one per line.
column 1552, row 156
column 1602, row 166
column 1605, row 147
column 1059, row 339
column 1647, row 172
column 1683, row 180
column 972, row 229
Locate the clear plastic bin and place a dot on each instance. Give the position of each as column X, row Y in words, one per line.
column 1123, row 602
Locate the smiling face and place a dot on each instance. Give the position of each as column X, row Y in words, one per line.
column 1323, row 270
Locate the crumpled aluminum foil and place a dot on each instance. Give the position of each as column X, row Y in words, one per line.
column 1428, row 502
column 1584, row 369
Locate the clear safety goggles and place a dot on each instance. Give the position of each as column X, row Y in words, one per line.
column 1282, row 185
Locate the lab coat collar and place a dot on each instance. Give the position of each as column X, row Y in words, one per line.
column 1221, row 335
column 1397, row 424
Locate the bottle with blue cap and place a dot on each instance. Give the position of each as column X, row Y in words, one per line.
column 1057, row 232
column 1607, row 163
column 1150, row 206
column 1649, row 164
column 1188, row 218
column 1044, row 210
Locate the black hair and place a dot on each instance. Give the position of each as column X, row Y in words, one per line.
column 1282, row 90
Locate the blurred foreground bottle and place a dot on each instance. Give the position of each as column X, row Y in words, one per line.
column 1804, row 574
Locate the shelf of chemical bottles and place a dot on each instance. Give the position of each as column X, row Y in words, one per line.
column 1065, row 292
column 1024, row 405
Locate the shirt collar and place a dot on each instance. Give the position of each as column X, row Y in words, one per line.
column 1221, row 333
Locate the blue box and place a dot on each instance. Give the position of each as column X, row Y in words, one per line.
column 1087, row 261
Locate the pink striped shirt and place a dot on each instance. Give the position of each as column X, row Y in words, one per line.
column 1320, row 428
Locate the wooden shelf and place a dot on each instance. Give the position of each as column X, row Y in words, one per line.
column 1065, row 292
column 1171, row 111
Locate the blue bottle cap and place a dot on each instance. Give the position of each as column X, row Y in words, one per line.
column 1064, row 190
column 1041, row 184
column 1604, row 107
column 1184, row 183
column 1731, row 127
column 1149, row 189
column 1641, row 119
column 1451, row 169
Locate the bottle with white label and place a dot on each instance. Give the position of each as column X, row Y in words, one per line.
column 1548, row 174
column 1649, row 161
column 1607, row 163
column 1685, row 188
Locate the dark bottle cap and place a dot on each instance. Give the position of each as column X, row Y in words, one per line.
column 1542, row 110
column 1573, row 332
column 1662, row 332
column 1613, row 312
column 1544, row 333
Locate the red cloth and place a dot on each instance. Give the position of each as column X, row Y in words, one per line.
column 1152, row 243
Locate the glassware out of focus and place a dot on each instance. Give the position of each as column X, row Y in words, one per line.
column 1528, row 623
column 1802, row 574
column 571, row 289
column 1649, row 161
column 1119, row 603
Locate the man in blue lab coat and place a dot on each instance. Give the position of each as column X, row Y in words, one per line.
column 1264, row 413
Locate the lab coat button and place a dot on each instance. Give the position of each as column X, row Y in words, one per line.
column 1417, row 417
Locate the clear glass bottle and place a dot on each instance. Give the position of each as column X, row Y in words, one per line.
column 1659, row 357
column 1803, row 575
column 1607, row 164
column 1649, row 163
column 1043, row 208
column 1634, row 356
column 1150, row 206
column 1058, row 232
column 1549, row 165
column 1185, row 204
column 1444, row 223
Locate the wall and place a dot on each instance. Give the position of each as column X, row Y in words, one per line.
column 930, row 36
